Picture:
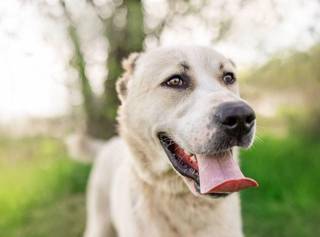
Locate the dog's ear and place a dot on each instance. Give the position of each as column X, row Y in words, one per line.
column 128, row 65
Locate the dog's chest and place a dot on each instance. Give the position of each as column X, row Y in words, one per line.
column 141, row 211
column 174, row 217
column 169, row 221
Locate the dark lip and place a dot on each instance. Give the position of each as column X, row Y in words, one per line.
column 185, row 170
column 167, row 144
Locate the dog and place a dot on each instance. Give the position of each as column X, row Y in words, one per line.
column 173, row 171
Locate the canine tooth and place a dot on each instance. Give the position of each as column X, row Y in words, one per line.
column 193, row 158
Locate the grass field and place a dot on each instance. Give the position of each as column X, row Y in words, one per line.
column 42, row 190
column 287, row 202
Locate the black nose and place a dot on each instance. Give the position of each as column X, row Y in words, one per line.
column 235, row 118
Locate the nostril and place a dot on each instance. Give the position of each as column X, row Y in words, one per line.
column 250, row 119
column 230, row 121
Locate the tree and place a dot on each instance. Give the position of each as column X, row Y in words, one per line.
column 101, row 112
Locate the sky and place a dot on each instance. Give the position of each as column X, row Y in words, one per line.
column 32, row 70
column 35, row 52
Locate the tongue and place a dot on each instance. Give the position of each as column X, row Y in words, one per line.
column 221, row 174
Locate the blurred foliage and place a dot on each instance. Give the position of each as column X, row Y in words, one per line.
column 286, row 203
column 295, row 78
column 306, row 123
column 296, row 70
column 42, row 191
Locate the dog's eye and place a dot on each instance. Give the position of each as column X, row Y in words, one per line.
column 175, row 81
column 228, row 78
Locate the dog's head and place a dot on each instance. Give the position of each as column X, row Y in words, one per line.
column 181, row 111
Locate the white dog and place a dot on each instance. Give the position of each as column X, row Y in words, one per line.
column 173, row 172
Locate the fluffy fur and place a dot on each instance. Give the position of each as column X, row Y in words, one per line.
column 133, row 189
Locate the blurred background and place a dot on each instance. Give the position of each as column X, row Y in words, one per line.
column 59, row 60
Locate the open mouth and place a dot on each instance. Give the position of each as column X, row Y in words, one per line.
column 215, row 175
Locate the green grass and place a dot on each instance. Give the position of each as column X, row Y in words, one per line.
column 287, row 201
column 42, row 190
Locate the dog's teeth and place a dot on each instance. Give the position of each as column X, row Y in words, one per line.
column 193, row 158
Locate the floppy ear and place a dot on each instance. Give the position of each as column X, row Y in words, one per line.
column 128, row 65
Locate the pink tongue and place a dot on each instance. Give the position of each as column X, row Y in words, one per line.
column 221, row 174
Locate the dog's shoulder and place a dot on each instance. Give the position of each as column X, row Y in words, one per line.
column 115, row 147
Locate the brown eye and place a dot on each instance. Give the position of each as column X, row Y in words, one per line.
column 176, row 81
column 228, row 78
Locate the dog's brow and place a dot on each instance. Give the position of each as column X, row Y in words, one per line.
column 221, row 66
column 233, row 63
column 185, row 66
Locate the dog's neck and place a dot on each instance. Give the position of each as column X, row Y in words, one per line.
column 143, row 164
column 181, row 211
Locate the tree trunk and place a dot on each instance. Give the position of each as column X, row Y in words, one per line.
column 89, row 100
column 100, row 113
column 122, row 42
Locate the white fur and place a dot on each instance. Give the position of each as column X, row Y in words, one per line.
column 133, row 188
